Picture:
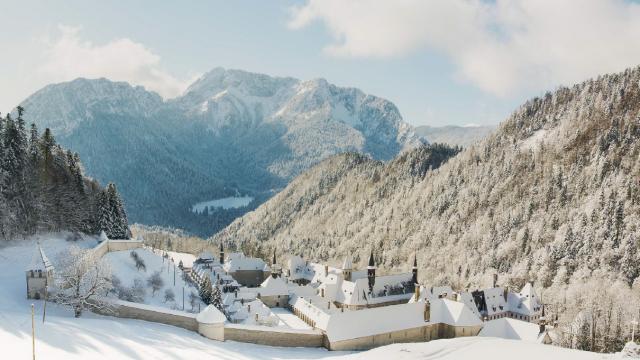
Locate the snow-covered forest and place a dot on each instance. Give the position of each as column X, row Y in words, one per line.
column 43, row 189
column 553, row 196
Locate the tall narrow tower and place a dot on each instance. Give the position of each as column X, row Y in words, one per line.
column 543, row 321
column 414, row 270
column 221, row 254
column 371, row 272
column 347, row 268
column 276, row 270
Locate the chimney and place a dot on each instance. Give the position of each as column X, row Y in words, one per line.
column 326, row 270
column 322, row 292
column 256, row 317
column 249, row 308
column 417, row 292
column 506, row 293
column 495, row 280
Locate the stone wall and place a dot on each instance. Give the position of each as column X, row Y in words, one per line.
column 116, row 245
column 250, row 278
column 275, row 300
column 424, row 333
column 273, row 337
column 124, row 309
column 419, row 334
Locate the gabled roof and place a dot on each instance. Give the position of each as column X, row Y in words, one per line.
column 273, row 286
column 452, row 313
column 245, row 263
column 528, row 302
column 39, row 261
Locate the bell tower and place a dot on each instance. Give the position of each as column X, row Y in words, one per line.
column 276, row 270
column 371, row 272
column 347, row 268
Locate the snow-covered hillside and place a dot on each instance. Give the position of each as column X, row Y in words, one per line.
column 464, row 136
column 123, row 267
column 92, row 336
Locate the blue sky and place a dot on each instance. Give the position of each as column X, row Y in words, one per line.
column 455, row 62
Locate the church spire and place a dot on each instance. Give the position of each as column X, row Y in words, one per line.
column 372, row 264
column 371, row 272
column 274, row 257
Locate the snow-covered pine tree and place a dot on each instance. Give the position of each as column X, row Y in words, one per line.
column 206, row 290
column 216, row 298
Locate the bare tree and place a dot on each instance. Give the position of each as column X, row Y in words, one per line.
column 169, row 295
column 193, row 300
column 155, row 282
column 83, row 279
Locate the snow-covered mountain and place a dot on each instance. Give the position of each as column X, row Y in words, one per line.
column 232, row 132
column 463, row 136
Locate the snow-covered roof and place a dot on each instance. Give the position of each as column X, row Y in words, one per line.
column 245, row 263
column 386, row 288
column 452, row 313
column 273, row 286
column 495, row 299
column 527, row 301
column 39, row 261
column 355, row 324
column 205, row 255
column 211, row 315
column 466, row 298
column 513, row 329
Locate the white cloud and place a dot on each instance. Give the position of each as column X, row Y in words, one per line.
column 68, row 57
column 501, row 47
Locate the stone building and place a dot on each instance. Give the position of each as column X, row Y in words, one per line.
column 247, row 271
column 39, row 275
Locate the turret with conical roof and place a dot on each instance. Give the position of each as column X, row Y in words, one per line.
column 371, row 272
column 347, row 267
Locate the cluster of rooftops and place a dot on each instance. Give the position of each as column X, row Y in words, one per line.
column 322, row 290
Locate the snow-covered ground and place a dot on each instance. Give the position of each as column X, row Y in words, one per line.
column 98, row 337
column 187, row 259
column 232, row 202
column 123, row 266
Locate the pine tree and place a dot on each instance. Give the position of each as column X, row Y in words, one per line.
column 629, row 267
column 206, row 290
column 216, row 298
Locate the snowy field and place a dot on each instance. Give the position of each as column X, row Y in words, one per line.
column 187, row 259
column 232, row 202
column 98, row 337
column 123, row 266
